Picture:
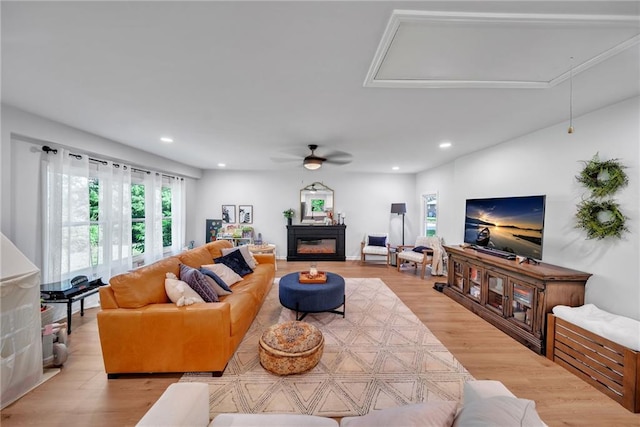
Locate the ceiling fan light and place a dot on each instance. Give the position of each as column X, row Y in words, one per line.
column 312, row 164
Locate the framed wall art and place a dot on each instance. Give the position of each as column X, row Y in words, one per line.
column 245, row 214
column 228, row 214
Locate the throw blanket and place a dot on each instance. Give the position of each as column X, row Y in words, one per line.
column 622, row 330
column 439, row 254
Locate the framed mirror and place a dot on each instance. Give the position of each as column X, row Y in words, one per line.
column 316, row 202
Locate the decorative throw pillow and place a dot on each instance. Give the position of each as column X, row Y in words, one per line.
column 235, row 261
column 377, row 241
column 419, row 249
column 198, row 283
column 179, row 292
column 438, row 413
column 216, row 282
column 229, row 276
column 246, row 254
column 499, row 411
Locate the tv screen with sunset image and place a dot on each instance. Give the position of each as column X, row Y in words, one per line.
column 508, row 224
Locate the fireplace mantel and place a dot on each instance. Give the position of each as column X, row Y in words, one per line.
column 316, row 242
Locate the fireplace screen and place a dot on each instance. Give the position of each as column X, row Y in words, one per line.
column 316, row 246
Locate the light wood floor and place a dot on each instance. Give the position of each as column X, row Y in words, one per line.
column 81, row 394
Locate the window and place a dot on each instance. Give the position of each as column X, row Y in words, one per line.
column 430, row 210
column 138, row 215
column 166, row 217
column 137, row 219
column 95, row 227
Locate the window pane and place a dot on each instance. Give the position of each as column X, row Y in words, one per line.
column 166, row 233
column 166, row 202
column 95, row 236
column 137, row 201
column 94, row 198
column 137, row 238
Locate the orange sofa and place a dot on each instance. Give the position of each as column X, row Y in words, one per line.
column 142, row 331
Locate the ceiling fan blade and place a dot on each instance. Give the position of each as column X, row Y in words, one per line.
column 338, row 161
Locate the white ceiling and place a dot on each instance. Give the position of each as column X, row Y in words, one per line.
column 245, row 82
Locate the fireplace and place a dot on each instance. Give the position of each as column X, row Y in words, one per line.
column 315, row 242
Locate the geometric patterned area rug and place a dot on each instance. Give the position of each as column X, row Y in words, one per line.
column 379, row 356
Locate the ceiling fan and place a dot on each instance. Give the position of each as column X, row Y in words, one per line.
column 314, row 162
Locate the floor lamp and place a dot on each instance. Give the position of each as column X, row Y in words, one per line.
column 400, row 209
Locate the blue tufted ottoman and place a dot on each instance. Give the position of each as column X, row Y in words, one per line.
column 312, row 298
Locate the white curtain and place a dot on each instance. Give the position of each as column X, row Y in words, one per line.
column 178, row 209
column 65, row 190
column 153, row 246
column 114, row 217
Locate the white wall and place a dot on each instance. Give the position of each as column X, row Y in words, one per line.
column 22, row 137
column 365, row 199
column 546, row 162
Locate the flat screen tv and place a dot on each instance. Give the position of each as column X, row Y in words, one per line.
column 508, row 224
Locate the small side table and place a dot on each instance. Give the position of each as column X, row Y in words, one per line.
column 393, row 255
column 57, row 298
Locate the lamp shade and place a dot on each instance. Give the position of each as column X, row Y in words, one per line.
column 398, row 208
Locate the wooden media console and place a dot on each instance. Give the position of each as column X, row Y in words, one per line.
column 513, row 297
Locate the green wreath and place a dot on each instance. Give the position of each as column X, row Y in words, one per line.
column 603, row 178
column 601, row 219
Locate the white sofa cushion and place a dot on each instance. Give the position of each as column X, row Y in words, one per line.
column 440, row 413
column 375, row 250
column 499, row 411
column 266, row 420
column 182, row 404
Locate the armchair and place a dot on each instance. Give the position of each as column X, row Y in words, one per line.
column 375, row 244
column 432, row 253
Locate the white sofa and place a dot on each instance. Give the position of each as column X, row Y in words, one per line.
column 484, row 403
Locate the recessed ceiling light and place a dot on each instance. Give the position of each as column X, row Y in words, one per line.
column 445, row 144
column 395, row 168
column 222, row 165
column 166, row 139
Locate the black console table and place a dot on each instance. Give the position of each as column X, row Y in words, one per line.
column 54, row 294
column 316, row 242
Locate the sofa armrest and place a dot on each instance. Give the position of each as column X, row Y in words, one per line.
column 107, row 297
column 265, row 258
column 474, row 390
column 182, row 404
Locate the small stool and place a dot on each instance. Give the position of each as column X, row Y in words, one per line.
column 290, row 347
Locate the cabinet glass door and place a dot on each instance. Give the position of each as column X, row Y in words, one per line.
column 458, row 275
column 475, row 281
column 522, row 303
column 496, row 289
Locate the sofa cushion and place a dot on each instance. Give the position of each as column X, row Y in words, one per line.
column 144, row 285
column 217, row 284
column 198, row 283
column 229, row 276
column 437, row 413
column 195, row 257
column 499, row 411
column 179, row 292
column 215, row 247
column 235, row 261
column 246, row 254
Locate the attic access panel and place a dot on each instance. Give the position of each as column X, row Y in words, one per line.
column 443, row 49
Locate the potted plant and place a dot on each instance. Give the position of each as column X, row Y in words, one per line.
column 289, row 215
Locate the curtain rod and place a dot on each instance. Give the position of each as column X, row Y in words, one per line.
column 48, row 149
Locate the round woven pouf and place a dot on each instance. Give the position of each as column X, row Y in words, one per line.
column 290, row 348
